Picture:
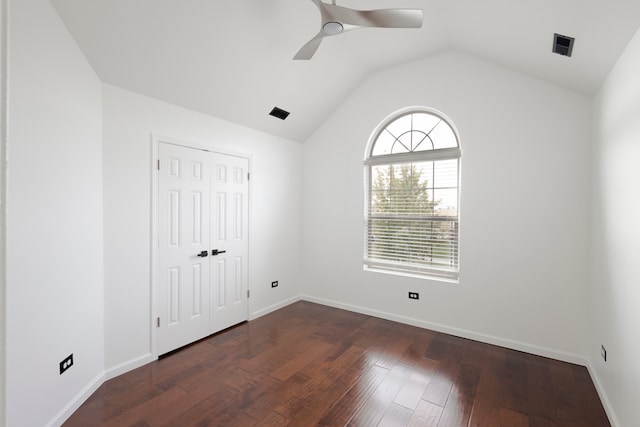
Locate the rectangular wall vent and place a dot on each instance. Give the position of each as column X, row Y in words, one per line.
column 279, row 113
column 562, row 45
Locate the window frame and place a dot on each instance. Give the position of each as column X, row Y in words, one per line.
column 432, row 155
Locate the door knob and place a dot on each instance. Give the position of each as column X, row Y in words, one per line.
column 216, row 252
column 203, row 254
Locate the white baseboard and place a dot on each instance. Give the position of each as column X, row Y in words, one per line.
column 129, row 366
column 603, row 395
column 77, row 401
column 273, row 307
column 489, row 339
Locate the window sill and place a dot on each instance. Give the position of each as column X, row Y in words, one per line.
column 411, row 275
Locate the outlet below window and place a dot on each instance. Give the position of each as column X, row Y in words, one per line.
column 66, row 363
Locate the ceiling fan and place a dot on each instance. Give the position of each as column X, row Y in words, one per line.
column 338, row 19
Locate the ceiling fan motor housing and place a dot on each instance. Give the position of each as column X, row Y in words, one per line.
column 332, row 28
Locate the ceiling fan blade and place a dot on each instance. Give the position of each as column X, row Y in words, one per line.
column 307, row 51
column 380, row 18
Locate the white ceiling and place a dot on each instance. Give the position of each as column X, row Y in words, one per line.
column 233, row 59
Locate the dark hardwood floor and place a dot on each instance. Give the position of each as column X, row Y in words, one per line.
column 308, row 364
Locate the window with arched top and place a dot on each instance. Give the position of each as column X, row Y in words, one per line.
column 412, row 176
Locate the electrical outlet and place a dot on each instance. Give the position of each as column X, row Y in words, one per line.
column 274, row 284
column 603, row 353
column 66, row 363
column 414, row 295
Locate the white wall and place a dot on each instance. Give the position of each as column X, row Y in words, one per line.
column 524, row 213
column 54, row 221
column 615, row 294
column 276, row 191
column 3, row 200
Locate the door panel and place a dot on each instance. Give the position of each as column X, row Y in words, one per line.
column 183, row 233
column 230, row 269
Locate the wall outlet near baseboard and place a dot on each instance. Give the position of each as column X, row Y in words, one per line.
column 414, row 295
column 603, row 353
column 66, row 363
column 274, row 284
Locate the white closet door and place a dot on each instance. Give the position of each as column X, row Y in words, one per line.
column 203, row 247
column 184, row 243
column 229, row 236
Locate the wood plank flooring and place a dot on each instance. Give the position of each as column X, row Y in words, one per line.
column 308, row 365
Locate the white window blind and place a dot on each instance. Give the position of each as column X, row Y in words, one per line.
column 412, row 221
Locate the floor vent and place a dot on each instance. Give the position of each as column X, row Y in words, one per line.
column 279, row 113
column 562, row 45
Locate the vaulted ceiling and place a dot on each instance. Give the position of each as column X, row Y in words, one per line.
column 233, row 59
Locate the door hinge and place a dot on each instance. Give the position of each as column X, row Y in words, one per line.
column 248, row 293
column 158, row 164
column 158, row 322
column 248, row 176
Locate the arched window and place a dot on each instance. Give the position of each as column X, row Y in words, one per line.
column 412, row 176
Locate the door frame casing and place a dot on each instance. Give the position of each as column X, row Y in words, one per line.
column 155, row 144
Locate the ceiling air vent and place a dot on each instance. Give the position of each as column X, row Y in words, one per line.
column 562, row 45
column 279, row 113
